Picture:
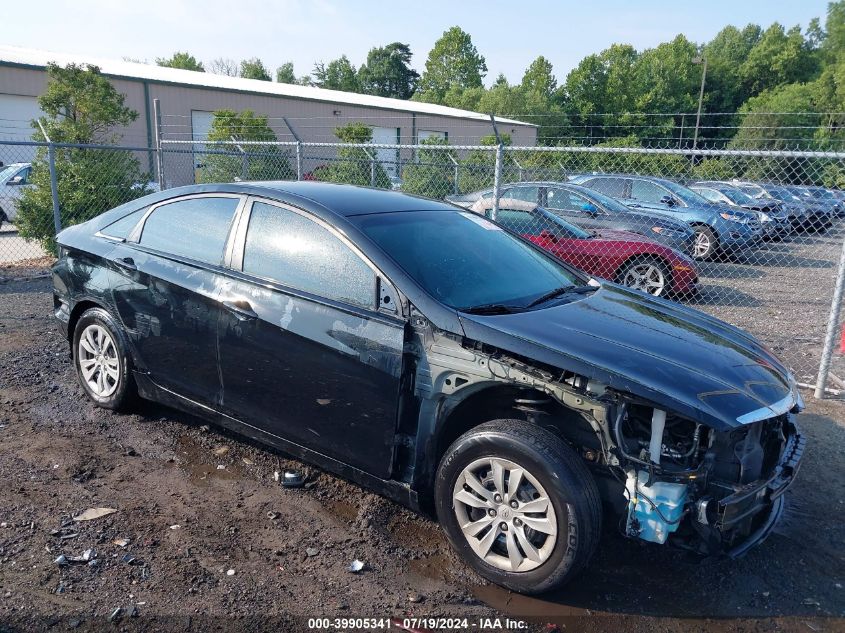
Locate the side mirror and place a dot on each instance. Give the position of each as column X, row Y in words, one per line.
column 17, row 180
column 590, row 209
column 669, row 201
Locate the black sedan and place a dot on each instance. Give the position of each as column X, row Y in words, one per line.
column 431, row 355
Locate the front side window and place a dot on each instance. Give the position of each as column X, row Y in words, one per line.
column 457, row 258
column 646, row 191
column 613, row 187
column 297, row 252
column 194, row 227
column 711, row 194
column 565, row 200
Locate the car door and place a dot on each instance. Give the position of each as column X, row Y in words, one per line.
column 578, row 209
column 165, row 278
column 310, row 350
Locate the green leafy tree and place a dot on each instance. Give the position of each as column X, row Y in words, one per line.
column 338, row 74
column 353, row 165
column 725, row 55
column 453, row 64
column 248, row 160
column 388, row 73
column 779, row 57
column 254, row 69
column 183, row 60
column 82, row 107
column 539, row 79
column 285, row 74
column 433, row 174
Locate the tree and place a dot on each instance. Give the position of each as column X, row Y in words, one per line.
column 387, row 72
column 254, row 69
column 224, row 66
column 82, row 107
column 353, row 165
column 339, row 74
column 725, row 55
column 433, row 174
column 285, row 75
column 453, row 63
column 247, row 161
column 539, row 79
column 779, row 57
column 183, row 60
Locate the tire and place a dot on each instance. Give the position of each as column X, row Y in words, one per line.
column 547, row 466
column 706, row 243
column 649, row 274
column 101, row 360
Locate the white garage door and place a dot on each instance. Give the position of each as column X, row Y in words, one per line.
column 389, row 158
column 200, row 127
column 16, row 115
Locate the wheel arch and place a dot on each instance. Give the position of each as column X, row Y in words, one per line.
column 79, row 308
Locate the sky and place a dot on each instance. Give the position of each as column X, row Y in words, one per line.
column 508, row 34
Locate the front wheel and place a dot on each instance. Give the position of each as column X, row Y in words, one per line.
column 647, row 274
column 706, row 243
column 519, row 505
column 101, row 359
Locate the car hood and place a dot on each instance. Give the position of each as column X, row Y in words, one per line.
column 674, row 357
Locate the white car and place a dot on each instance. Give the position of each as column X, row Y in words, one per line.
column 13, row 178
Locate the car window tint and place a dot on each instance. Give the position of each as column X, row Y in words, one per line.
column 297, row 252
column 24, row 174
column 646, row 191
column 522, row 222
column 528, row 194
column 613, row 187
column 122, row 227
column 566, row 200
column 195, row 228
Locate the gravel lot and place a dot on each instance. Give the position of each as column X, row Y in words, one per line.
column 288, row 551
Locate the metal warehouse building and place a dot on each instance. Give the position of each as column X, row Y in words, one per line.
column 188, row 99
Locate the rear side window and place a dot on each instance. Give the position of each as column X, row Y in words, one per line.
column 300, row 253
column 528, row 194
column 196, row 228
column 122, row 227
column 566, row 200
column 522, row 222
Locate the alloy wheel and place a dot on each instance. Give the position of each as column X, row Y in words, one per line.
column 647, row 277
column 505, row 514
column 702, row 244
column 99, row 363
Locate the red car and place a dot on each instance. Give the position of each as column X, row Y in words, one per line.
column 626, row 258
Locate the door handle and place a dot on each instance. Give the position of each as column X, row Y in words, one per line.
column 241, row 309
column 126, row 262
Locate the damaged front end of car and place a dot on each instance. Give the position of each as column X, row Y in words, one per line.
column 718, row 491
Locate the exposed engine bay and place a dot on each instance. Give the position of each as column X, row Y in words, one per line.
column 727, row 483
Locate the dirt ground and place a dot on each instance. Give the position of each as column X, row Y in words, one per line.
column 215, row 544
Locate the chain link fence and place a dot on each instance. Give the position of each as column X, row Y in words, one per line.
column 752, row 237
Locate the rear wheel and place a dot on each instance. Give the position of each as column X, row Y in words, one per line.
column 705, row 244
column 101, row 360
column 648, row 274
column 519, row 505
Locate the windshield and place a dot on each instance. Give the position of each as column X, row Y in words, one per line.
column 8, row 172
column 610, row 204
column 736, row 196
column 782, row 194
column 463, row 260
column 684, row 193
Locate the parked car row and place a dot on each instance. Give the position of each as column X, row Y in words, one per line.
column 668, row 222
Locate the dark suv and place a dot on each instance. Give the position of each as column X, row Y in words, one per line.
column 438, row 359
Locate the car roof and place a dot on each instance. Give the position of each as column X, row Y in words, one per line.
column 342, row 200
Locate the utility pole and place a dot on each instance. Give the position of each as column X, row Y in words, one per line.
column 703, row 62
